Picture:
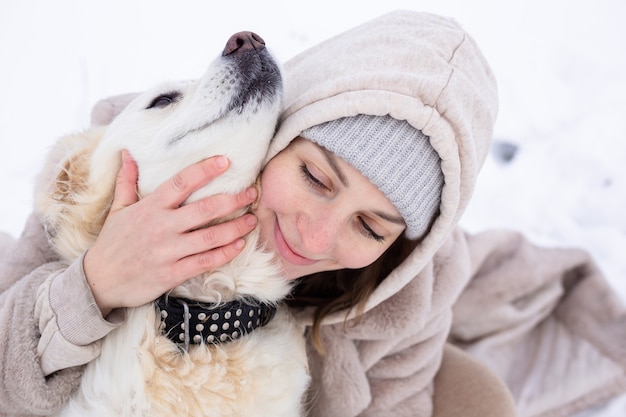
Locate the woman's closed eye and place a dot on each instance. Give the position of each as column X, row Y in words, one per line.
column 311, row 179
column 368, row 231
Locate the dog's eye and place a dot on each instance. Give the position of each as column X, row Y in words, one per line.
column 164, row 100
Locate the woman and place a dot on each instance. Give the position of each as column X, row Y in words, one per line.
column 375, row 159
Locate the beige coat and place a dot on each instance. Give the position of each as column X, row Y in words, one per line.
column 542, row 319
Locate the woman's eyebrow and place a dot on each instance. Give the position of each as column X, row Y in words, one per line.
column 390, row 218
column 332, row 161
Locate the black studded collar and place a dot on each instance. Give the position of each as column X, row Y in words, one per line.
column 186, row 322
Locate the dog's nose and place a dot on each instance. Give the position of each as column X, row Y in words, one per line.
column 242, row 42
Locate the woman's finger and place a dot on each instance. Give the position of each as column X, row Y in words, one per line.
column 209, row 209
column 199, row 263
column 177, row 189
column 215, row 236
column 125, row 183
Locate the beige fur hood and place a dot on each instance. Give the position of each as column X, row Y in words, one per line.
column 417, row 67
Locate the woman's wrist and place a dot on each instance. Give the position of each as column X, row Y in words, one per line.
column 79, row 318
column 91, row 273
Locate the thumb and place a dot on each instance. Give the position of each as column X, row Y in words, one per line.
column 126, row 183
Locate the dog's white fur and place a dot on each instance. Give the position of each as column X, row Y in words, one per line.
column 140, row 372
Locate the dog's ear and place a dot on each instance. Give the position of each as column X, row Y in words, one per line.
column 71, row 179
column 105, row 110
column 72, row 210
column 66, row 166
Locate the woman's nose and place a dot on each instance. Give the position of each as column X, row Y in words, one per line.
column 318, row 232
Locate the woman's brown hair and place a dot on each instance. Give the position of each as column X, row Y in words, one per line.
column 348, row 289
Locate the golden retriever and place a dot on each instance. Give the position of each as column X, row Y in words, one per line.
column 220, row 344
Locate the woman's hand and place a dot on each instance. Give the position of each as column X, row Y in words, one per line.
column 147, row 247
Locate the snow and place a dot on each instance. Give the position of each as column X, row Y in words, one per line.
column 561, row 67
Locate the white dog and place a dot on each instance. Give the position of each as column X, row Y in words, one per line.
column 221, row 344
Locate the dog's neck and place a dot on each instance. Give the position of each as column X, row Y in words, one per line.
column 227, row 302
column 187, row 322
column 254, row 273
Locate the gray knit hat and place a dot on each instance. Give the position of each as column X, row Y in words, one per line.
column 395, row 157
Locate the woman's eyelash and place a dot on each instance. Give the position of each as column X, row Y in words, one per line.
column 369, row 232
column 311, row 179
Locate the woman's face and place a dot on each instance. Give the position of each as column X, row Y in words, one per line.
column 318, row 213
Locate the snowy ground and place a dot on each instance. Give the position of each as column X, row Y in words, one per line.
column 561, row 67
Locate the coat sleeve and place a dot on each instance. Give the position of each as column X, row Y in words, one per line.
column 384, row 363
column 40, row 307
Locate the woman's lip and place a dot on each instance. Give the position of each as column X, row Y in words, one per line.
column 285, row 250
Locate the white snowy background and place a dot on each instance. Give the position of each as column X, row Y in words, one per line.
column 561, row 66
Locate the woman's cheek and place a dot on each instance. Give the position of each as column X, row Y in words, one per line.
column 270, row 192
column 280, row 188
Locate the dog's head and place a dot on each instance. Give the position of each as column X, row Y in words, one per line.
column 231, row 110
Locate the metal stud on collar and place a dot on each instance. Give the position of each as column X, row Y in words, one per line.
column 186, row 322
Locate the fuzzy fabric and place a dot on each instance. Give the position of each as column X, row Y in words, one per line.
column 543, row 319
column 24, row 388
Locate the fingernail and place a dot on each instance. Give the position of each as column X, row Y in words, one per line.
column 239, row 244
column 126, row 156
column 251, row 193
column 221, row 162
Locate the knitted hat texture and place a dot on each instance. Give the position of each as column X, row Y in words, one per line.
column 395, row 157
